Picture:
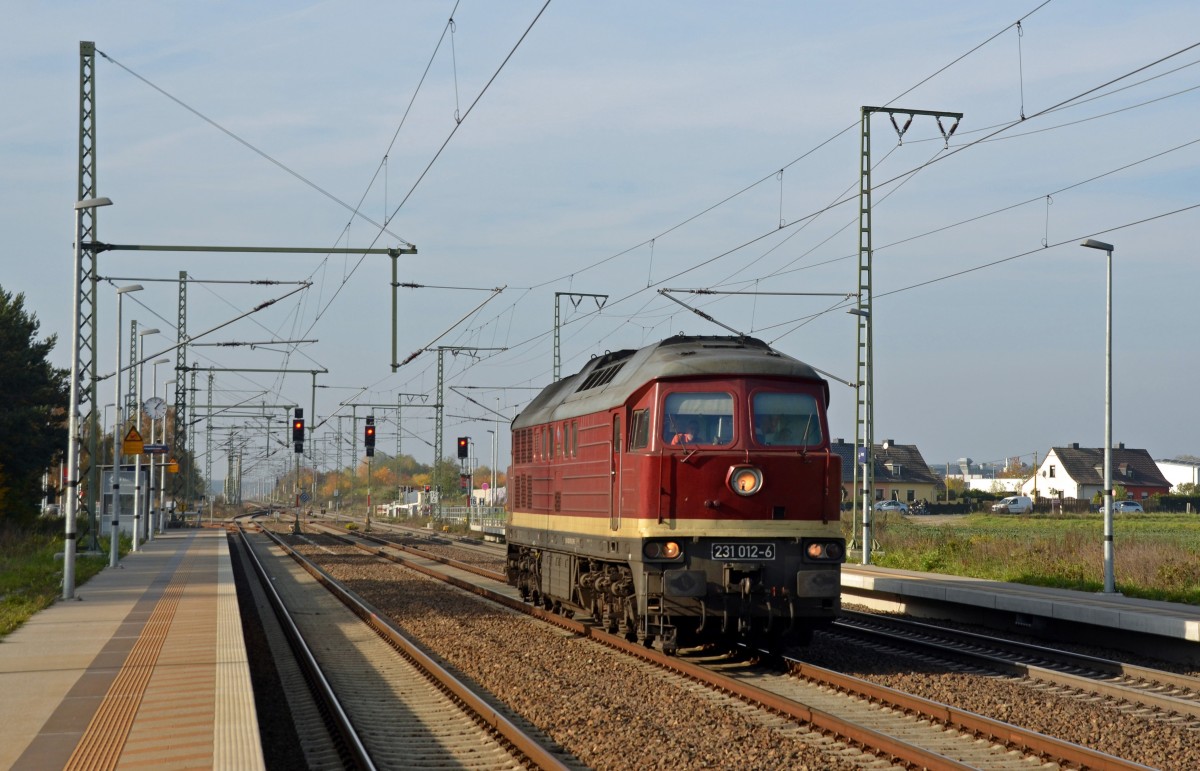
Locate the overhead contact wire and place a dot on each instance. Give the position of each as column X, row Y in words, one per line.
column 279, row 164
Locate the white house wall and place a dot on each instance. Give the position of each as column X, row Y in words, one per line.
column 1179, row 473
column 989, row 485
column 1060, row 482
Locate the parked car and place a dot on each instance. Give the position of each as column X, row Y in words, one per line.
column 1128, row 506
column 899, row 506
column 1014, row 504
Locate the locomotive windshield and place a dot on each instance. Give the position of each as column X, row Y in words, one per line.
column 698, row 418
column 787, row 419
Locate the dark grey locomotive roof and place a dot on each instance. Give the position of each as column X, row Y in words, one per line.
column 608, row 380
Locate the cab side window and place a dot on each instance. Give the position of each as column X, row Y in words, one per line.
column 639, row 430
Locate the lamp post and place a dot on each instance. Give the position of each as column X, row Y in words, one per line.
column 492, row 489
column 114, row 547
column 73, row 403
column 137, row 422
column 162, row 467
column 93, row 519
column 495, row 455
column 1110, row 584
column 151, row 523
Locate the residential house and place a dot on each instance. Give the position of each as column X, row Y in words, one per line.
column 901, row 473
column 1179, row 472
column 1078, row 472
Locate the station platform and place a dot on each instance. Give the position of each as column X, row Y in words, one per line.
column 146, row 667
column 1126, row 622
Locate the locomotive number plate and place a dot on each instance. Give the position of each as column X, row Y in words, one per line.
column 743, row 551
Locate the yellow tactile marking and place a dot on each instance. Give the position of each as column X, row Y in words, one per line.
column 106, row 734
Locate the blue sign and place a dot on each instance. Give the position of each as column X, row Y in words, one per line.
column 305, row 497
column 862, row 455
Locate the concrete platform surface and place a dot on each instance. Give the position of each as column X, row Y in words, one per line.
column 1114, row 611
column 145, row 667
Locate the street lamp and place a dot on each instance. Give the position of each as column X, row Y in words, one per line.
column 114, row 551
column 492, row 489
column 73, row 403
column 156, row 404
column 137, row 422
column 1110, row 585
column 162, row 467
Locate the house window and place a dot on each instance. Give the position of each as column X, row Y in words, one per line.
column 1052, row 472
column 912, row 496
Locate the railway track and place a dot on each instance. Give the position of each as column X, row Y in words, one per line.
column 903, row 728
column 383, row 701
column 1171, row 696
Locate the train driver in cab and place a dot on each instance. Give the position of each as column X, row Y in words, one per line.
column 689, row 435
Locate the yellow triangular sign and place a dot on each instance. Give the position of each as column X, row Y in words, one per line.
column 133, row 444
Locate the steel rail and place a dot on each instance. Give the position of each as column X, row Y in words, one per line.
column 502, row 726
column 1010, row 735
column 353, row 745
column 950, row 645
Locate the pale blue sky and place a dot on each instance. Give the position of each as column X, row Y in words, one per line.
column 612, row 124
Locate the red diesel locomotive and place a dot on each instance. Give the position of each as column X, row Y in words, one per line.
column 684, row 491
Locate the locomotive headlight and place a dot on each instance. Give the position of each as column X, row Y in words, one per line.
column 745, row 480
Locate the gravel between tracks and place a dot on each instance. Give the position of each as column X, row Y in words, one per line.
column 608, row 710
column 613, row 713
column 1126, row 735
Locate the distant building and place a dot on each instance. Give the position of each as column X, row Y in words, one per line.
column 1180, row 472
column 994, row 484
column 1078, row 472
column 901, row 473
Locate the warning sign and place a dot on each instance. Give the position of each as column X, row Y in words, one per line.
column 133, row 444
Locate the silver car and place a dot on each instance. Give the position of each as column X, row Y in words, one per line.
column 1128, row 507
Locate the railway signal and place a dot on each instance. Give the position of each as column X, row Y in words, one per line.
column 463, row 446
column 369, row 436
column 298, row 430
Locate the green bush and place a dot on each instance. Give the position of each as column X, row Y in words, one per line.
column 31, row 575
